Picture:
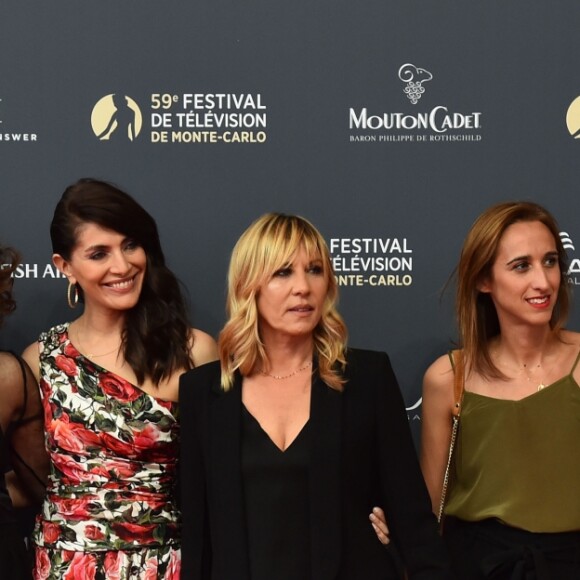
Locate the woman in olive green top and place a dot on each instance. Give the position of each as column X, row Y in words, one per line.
column 513, row 507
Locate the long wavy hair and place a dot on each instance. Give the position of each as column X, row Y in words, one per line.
column 266, row 246
column 476, row 315
column 156, row 339
column 9, row 260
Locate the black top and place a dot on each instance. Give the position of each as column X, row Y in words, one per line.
column 276, row 503
column 20, row 446
column 6, row 514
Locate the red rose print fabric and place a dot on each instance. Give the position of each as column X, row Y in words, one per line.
column 110, row 507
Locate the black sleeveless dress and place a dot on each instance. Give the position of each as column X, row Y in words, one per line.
column 14, row 560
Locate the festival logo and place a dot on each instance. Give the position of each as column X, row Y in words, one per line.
column 573, row 118
column 116, row 117
column 228, row 118
column 375, row 262
column 414, row 77
column 182, row 118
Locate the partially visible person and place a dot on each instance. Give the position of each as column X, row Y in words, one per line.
column 22, row 456
column 291, row 438
column 109, row 381
column 513, row 508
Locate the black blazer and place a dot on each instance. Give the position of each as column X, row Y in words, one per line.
column 362, row 455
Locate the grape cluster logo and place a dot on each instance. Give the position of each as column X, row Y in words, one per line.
column 116, row 117
column 414, row 77
column 573, row 118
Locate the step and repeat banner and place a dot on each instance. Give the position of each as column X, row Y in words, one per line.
column 390, row 125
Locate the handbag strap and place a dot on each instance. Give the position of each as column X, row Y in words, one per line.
column 456, row 357
column 458, row 381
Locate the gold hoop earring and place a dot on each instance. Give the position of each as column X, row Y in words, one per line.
column 72, row 295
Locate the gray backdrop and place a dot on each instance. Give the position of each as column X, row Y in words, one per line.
column 318, row 123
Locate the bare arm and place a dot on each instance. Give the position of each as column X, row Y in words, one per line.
column 204, row 348
column 436, row 426
column 435, row 437
column 23, row 424
column 32, row 357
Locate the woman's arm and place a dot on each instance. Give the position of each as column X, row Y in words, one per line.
column 412, row 525
column 436, row 426
column 32, row 357
column 23, row 425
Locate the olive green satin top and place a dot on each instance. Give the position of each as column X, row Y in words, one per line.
column 519, row 461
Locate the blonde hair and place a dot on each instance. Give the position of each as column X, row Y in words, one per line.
column 476, row 315
column 266, row 246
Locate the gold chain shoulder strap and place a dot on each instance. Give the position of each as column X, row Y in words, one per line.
column 458, row 388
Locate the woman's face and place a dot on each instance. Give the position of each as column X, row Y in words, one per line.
column 290, row 303
column 525, row 277
column 108, row 266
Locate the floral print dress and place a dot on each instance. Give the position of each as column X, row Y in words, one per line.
column 110, row 511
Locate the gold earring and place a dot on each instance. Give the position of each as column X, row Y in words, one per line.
column 72, row 295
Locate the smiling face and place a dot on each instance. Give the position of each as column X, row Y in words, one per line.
column 525, row 277
column 290, row 303
column 108, row 266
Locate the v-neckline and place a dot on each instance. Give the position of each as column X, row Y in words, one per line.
column 267, row 435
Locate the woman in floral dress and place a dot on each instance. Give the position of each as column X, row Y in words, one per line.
column 109, row 381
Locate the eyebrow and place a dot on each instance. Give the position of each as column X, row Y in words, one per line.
column 527, row 257
column 99, row 247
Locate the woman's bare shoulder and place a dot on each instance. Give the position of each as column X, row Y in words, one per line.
column 9, row 366
column 439, row 373
column 204, row 347
column 32, row 357
column 570, row 337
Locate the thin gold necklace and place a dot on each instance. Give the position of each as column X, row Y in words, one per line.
column 528, row 372
column 92, row 354
column 530, row 369
column 282, row 377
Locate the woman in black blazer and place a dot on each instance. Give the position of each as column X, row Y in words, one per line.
column 291, row 438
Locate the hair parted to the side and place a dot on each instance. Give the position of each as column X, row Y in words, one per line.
column 266, row 246
column 156, row 338
column 9, row 260
column 476, row 315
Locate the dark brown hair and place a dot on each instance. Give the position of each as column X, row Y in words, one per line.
column 9, row 260
column 156, row 339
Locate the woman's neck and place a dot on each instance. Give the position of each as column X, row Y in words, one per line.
column 97, row 323
column 525, row 347
column 286, row 355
